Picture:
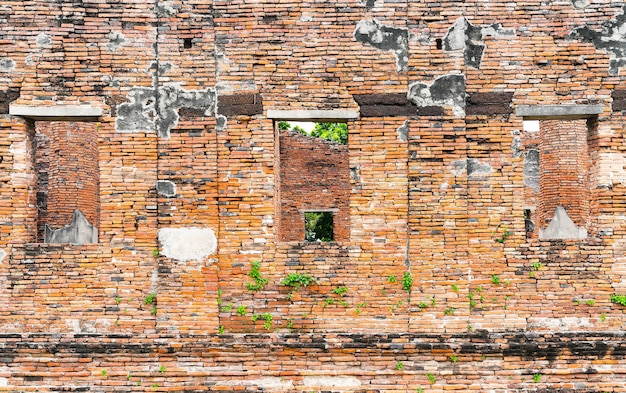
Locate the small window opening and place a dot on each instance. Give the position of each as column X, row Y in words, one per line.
column 439, row 43
column 318, row 226
column 187, row 43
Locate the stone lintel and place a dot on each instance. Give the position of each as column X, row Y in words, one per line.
column 558, row 112
column 56, row 112
column 339, row 115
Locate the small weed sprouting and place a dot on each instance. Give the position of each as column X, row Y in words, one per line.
column 328, row 301
column 154, row 310
column 454, row 358
column 470, row 328
column 449, row 311
column 433, row 302
column 399, row 366
column 359, row 307
column 536, row 378
column 455, row 288
column 422, row 305
column 155, row 252
column 495, row 279
column 129, row 376
column 104, row 373
column 255, row 274
column 155, row 385
column 289, row 323
column 241, row 310
column 619, row 299
column 407, row 281
column 392, row 278
column 162, row 369
column 227, row 308
column 504, row 236
column 431, row 378
column 297, row 280
column 419, row 390
column 602, row 317
column 590, row 302
column 150, row 299
column 536, row 265
column 340, row 291
column 118, row 300
column 268, row 320
column 220, row 329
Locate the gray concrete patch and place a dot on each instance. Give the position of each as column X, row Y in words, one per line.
column 80, row 231
column 166, row 188
column 56, row 112
column 562, row 227
column 562, row 112
column 531, row 169
column 403, row 131
column 385, row 38
column 611, row 37
column 190, row 243
column 470, row 39
column 149, row 109
column 313, row 115
column 43, row 39
column 447, row 90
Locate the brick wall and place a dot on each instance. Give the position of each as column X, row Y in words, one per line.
column 443, row 275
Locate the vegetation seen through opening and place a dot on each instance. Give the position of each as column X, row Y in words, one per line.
column 334, row 132
column 318, row 226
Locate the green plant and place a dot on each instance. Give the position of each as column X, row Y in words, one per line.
column 241, row 310
column 220, row 329
column 297, row 280
column 449, row 311
column 407, row 281
column 268, row 320
column 359, row 307
column 340, row 291
column 255, row 274
column 154, row 310
column 495, row 279
column 422, row 305
column 118, row 300
column 470, row 328
column 433, row 301
column 129, row 376
column 290, row 323
column 419, row 390
column 454, row 358
column 162, row 369
column 391, row 278
column 602, row 317
column 536, row 378
column 155, row 252
column 504, row 236
column 328, row 301
column 399, row 366
column 104, row 373
column 151, row 298
column 619, row 299
column 590, row 302
column 431, row 377
column 227, row 308
column 155, row 385
column 455, row 288
column 536, row 265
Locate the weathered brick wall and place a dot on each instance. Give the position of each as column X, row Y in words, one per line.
column 315, row 176
column 441, row 185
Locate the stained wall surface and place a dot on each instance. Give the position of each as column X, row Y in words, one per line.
column 443, row 281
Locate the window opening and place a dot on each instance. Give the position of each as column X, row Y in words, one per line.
column 67, row 168
column 556, row 175
column 313, row 195
column 318, row 226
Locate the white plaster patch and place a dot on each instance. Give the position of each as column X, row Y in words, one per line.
column 4, row 382
column 331, row 382
column 273, row 384
column 2, row 255
column 73, row 325
column 185, row 244
column 560, row 324
column 43, row 39
column 7, row 64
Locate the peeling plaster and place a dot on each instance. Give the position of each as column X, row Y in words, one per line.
column 331, row 382
column 43, row 39
column 142, row 112
column 471, row 166
column 116, row 40
column 385, row 38
column 516, row 144
column 580, row 4
column 470, row 39
column 403, row 131
column 166, row 188
column 184, row 244
column 531, row 169
column 611, row 38
column 7, row 64
column 448, row 90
